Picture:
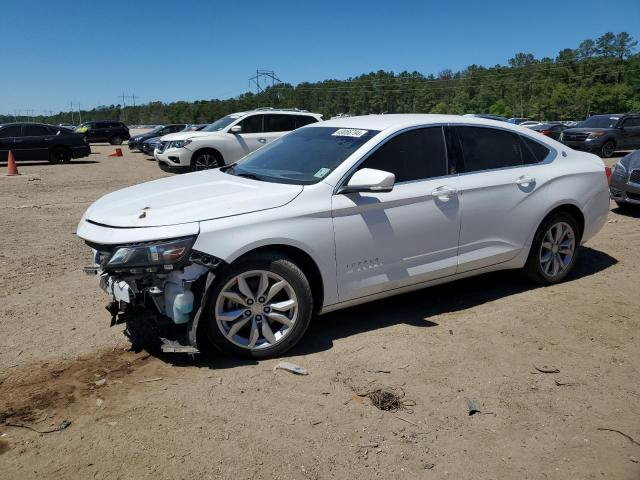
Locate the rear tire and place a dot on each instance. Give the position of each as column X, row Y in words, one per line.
column 259, row 308
column 59, row 155
column 116, row 140
column 554, row 249
column 608, row 149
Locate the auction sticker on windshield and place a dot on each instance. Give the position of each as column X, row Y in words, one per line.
column 322, row 172
column 349, row 132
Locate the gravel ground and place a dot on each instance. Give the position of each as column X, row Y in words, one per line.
column 483, row 339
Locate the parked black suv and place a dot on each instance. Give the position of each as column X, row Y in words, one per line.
column 36, row 141
column 104, row 131
column 604, row 134
column 135, row 143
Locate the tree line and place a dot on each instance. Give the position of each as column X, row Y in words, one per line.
column 599, row 76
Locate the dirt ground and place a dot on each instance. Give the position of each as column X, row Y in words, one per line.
column 483, row 339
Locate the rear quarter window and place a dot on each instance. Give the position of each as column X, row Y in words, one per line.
column 533, row 152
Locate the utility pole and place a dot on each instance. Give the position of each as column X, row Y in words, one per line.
column 79, row 113
column 71, row 108
column 133, row 97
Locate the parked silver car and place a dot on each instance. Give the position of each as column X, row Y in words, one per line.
column 625, row 181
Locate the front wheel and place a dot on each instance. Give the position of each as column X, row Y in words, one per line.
column 259, row 308
column 116, row 140
column 608, row 149
column 205, row 161
column 554, row 249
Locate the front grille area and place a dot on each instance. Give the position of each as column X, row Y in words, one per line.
column 575, row 137
column 633, row 196
column 635, row 176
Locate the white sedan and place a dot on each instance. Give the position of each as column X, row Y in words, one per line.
column 336, row 214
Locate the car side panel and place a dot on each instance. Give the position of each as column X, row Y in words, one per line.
column 305, row 223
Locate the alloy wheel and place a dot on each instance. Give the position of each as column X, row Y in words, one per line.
column 206, row 161
column 557, row 249
column 256, row 309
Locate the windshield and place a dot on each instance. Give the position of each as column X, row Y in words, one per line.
column 303, row 157
column 155, row 130
column 599, row 121
column 220, row 123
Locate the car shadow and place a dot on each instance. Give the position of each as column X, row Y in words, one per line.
column 35, row 163
column 632, row 211
column 414, row 309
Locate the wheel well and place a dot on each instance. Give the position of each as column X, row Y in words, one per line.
column 306, row 264
column 210, row 150
column 572, row 210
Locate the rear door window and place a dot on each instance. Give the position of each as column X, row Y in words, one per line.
column 279, row 123
column 10, row 131
column 252, row 124
column 488, row 148
column 302, row 120
column 36, row 131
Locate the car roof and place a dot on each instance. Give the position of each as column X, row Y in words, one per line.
column 388, row 121
column 286, row 111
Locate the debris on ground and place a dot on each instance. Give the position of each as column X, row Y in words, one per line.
column 64, row 424
column 546, row 369
column 388, row 400
column 628, row 437
column 566, row 384
column 147, row 380
column 473, row 407
column 291, row 367
column 100, row 382
column 99, row 402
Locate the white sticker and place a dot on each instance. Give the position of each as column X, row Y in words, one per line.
column 349, row 132
column 322, row 172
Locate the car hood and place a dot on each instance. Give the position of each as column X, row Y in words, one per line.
column 192, row 197
column 185, row 135
column 152, row 140
column 586, row 130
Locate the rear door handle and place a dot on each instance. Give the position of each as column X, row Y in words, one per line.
column 525, row 181
column 444, row 193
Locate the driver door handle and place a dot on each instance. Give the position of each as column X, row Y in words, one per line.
column 262, row 140
column 444, row 193
column 525, row 181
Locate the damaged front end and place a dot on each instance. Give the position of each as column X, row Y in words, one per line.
column 157, row 289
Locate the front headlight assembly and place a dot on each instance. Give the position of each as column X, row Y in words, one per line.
column 180, row 143
column 164, row 254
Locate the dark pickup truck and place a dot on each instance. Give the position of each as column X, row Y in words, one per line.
column 37, row 141
column 604, row 134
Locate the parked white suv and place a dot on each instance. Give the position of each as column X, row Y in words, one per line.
column 335, row 214
column 228, row 139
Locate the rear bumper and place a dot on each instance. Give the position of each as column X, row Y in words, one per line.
column 81, row 151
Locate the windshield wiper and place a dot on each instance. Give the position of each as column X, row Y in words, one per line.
column 248, row 175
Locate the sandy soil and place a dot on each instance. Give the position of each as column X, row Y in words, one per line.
column 137, row 416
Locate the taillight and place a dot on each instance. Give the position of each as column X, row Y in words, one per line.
column 545, row 132
column 607, row 172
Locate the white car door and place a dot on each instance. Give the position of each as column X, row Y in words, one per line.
column 500, row 190
column 250, row 138
column 409, row 235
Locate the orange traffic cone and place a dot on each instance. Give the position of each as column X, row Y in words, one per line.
column 11, row 165
column 116, row 153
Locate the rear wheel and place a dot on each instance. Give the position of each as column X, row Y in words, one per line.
column 259, row 308
column 554, row 249
column 116, row 140
column 608, row 149
column 59, row 155
column 205, row 161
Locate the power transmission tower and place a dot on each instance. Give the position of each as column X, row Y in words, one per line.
column 71, row 108
column 79, row 113
column 262, row 77
column 133, row 97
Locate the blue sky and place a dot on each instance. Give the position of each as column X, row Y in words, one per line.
column 91, row 51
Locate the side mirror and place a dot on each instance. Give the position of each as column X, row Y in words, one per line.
column 235, row 129
column 369, row 180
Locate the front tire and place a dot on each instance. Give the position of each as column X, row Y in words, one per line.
column 116, row 140
column 259, row 308
column 205, row 161
column 554, row 249
column 608, row 149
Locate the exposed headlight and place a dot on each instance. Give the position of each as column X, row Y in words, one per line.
column 180, row 143
column 167, row 253
column 619, row 169
column 596, row 134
